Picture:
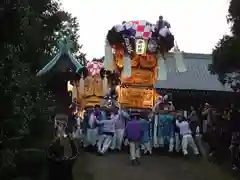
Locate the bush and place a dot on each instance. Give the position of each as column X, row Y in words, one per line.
column 30, row 162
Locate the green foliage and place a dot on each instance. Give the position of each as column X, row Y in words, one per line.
column 234, row 17
column 29, row 30
column 226, row 54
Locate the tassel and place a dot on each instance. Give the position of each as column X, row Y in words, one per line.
column 69, row 87
column 155, row 127
column 108, row 58
column 127, row 69
column 81, row 85
column 74, row 91
column 162, row 69
column 105, row 85
column 179, row 60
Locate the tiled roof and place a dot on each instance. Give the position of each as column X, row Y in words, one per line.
column 197, row 76
column 54, row 61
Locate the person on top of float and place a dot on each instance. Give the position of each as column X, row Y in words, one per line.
column 162, row 27
column 162, row 23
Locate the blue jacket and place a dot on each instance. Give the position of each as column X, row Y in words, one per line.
column 107, row 126
column 165, row 126
column 145, row 126
column 103, row 115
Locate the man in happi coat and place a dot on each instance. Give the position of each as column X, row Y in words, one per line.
column 106, row 133
column 145, row 140
column 122, row 117
column 92, row 128
column 187, row 138
column 134, row 136
column 166, row 131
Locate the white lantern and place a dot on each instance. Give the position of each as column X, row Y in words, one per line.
column 140, row 46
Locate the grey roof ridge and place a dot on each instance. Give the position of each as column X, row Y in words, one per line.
column 187, row 55
column 194, row 58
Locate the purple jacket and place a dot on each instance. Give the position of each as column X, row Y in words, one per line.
column 133, row 130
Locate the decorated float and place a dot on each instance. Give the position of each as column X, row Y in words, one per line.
column 92, row 85
column 136, row 49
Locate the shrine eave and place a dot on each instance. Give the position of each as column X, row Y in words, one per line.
column 54, row 61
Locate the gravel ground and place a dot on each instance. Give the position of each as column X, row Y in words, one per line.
column 89, row 166
column 117, row 166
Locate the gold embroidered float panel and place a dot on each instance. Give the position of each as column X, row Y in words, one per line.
column 146, row 61
column 142, row 77
column 134, row 97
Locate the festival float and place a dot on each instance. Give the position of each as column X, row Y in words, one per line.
column 92, row 85
column 137, row 51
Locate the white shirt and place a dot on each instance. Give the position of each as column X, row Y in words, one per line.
column 119, row 28
column 164, row 32
column 183, row 127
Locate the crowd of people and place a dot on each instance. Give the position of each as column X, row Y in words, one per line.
column 220, row 129
column 113, row 128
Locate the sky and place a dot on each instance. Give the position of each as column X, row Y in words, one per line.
column 196, row 24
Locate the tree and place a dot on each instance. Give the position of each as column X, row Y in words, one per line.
column 27, row 40
column 226, row 54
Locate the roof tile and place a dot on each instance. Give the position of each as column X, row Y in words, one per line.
column 197, row 76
